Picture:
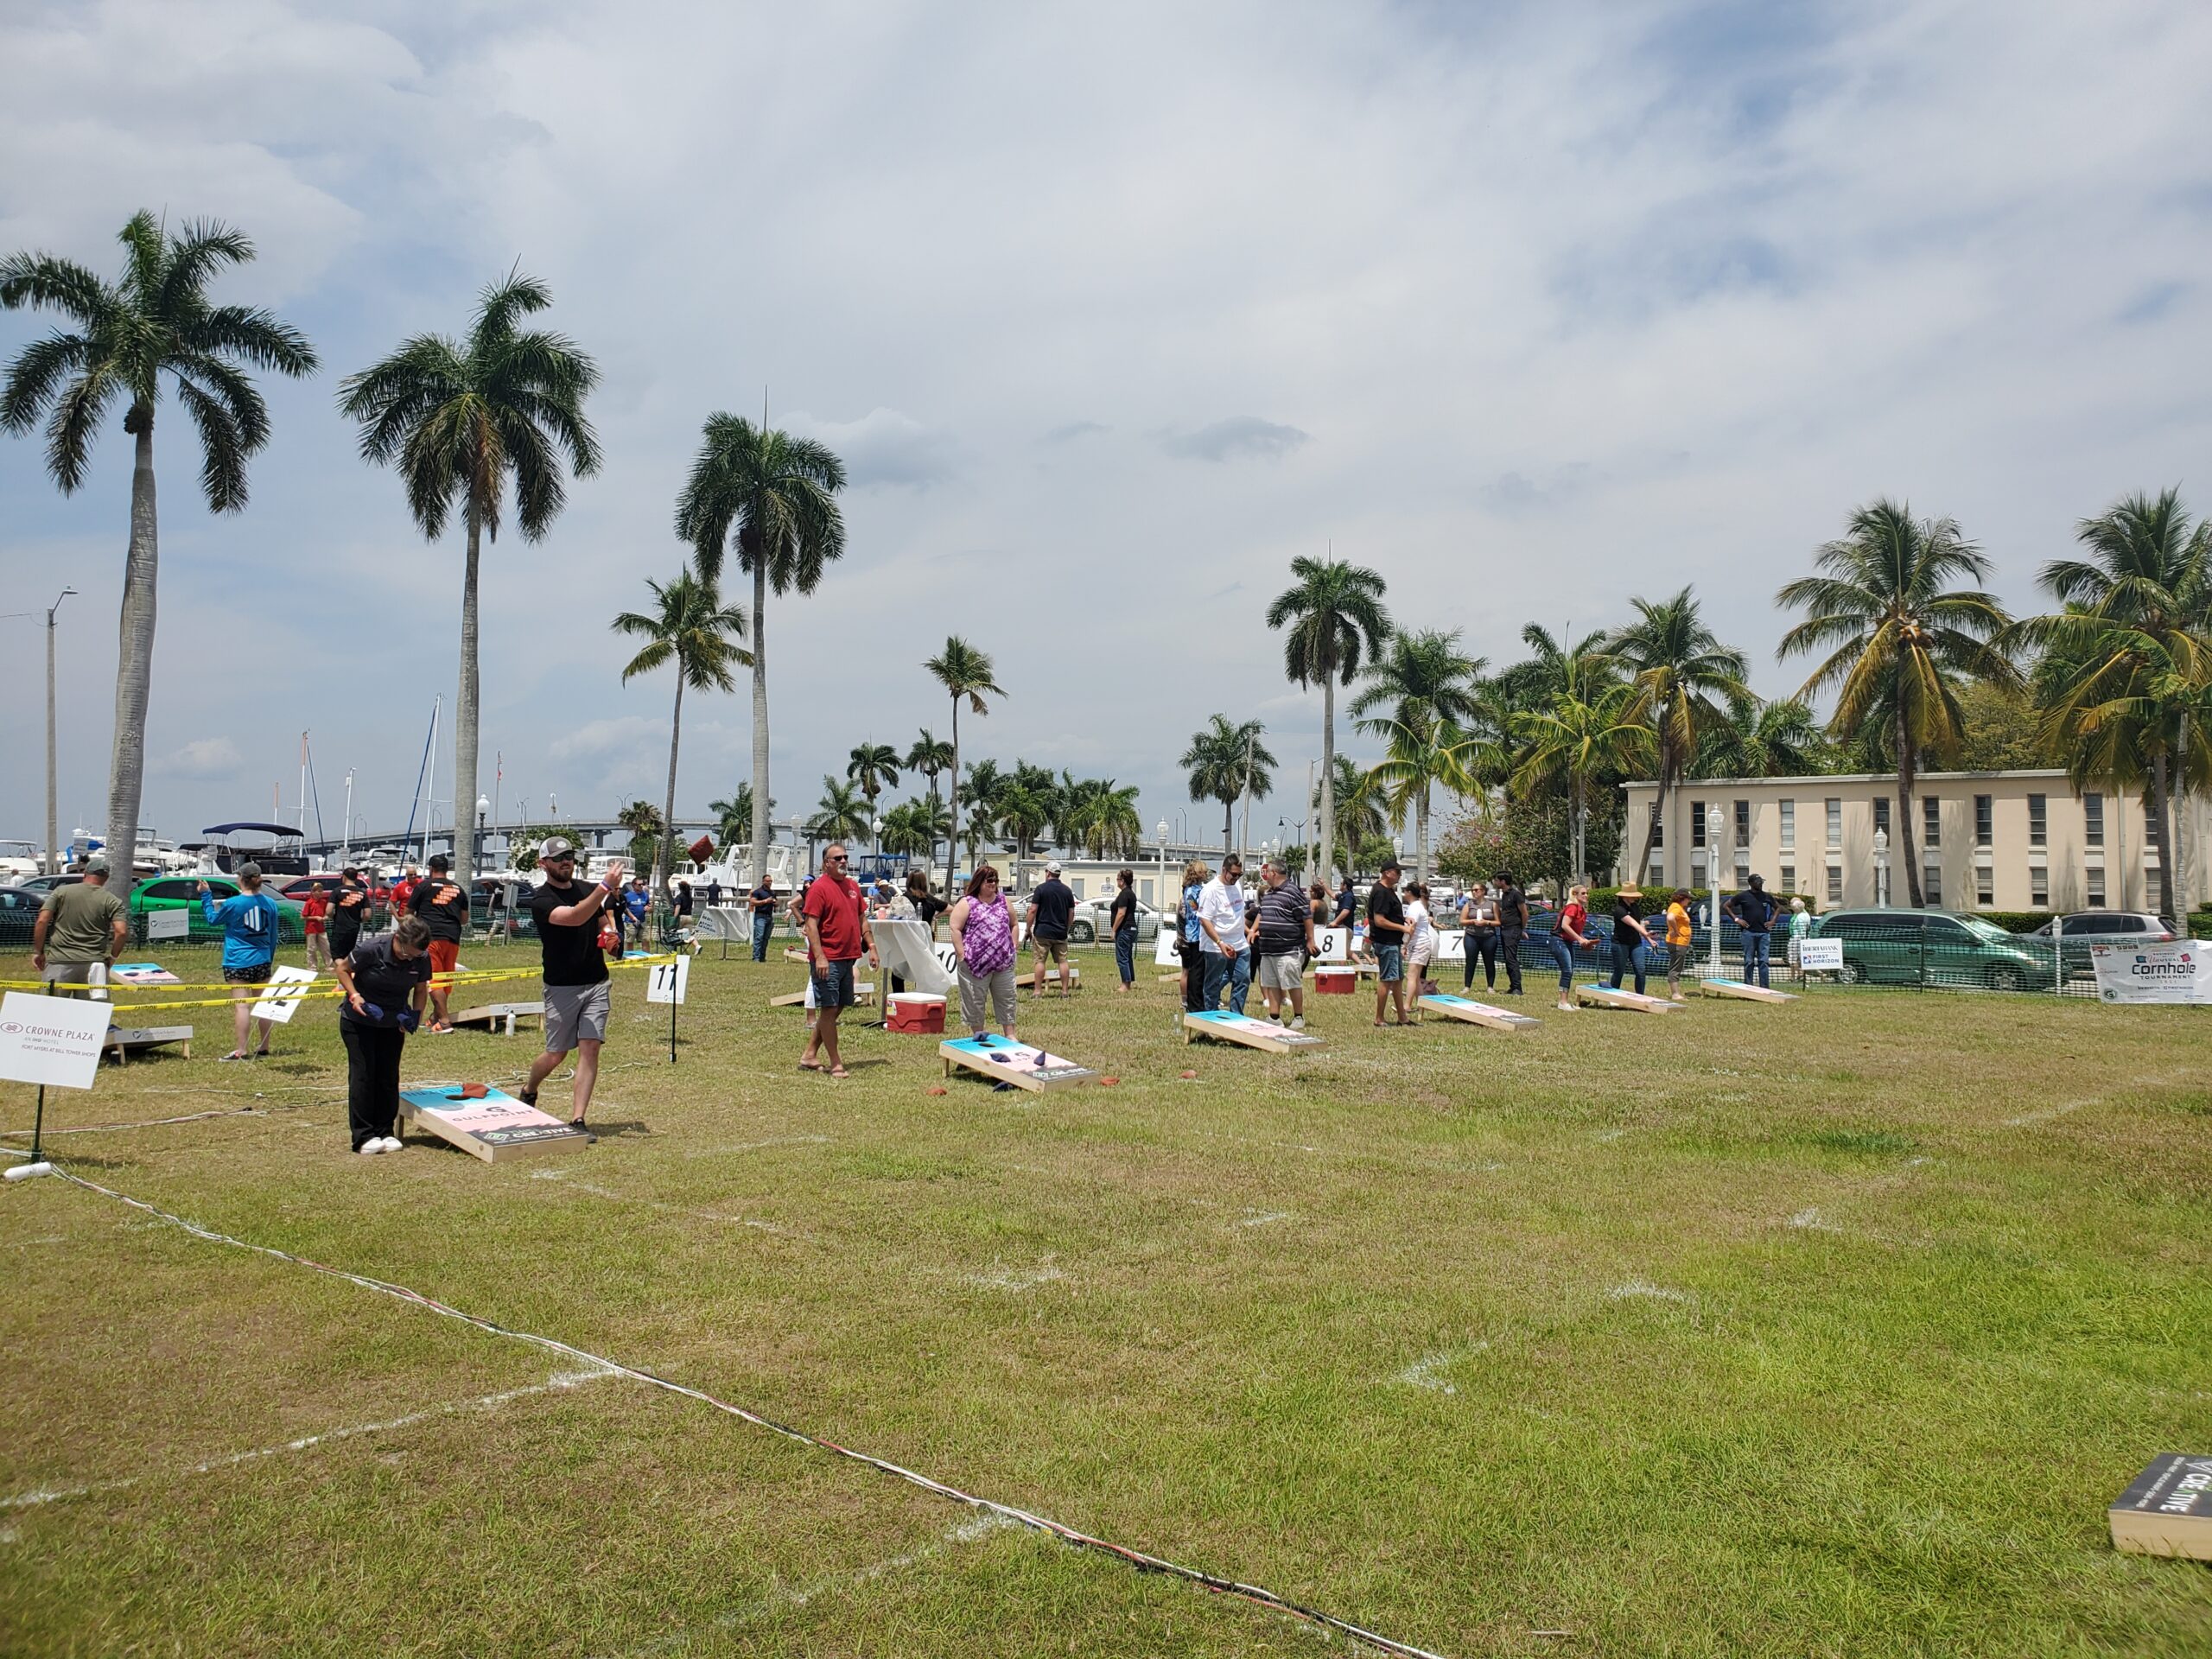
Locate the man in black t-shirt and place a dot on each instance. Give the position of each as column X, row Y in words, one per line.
column 1753, row 911
column 1385, row 937
column 762, row 902
column 349, row 913
column 1512, row 928
column 1051, row 906
column 443, row 908
column 568, row 914
column 1122, row 923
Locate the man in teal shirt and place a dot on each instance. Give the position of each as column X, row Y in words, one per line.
column 250, row 920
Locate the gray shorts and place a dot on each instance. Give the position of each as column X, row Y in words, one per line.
column 1283, row 973
column 574, row 1014
column 76, row 973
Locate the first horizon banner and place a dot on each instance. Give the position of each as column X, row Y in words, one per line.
column 2178, row 971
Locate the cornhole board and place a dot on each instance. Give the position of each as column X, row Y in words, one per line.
column 1242, row 1028
column 496, row 1015
column 1476, row 1013
column 792, row 953
column 863, row 995
column 1605, row 996
column 124, row 1039
column 140, row 973
column 1737, row 988
column 494, row 1129
column 1029, row 982
column 1018, row 1063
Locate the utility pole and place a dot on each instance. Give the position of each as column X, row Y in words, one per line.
column 53, row 823
column 1244, row 830
column 347, row 856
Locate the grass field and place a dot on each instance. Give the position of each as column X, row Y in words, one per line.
column 1821, row 1330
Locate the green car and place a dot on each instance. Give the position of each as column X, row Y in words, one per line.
column 1935, row 947
column 183, row 893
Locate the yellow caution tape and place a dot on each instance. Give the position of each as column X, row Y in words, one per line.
column 464, row 976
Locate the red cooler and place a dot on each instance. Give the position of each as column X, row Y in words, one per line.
column 915, row 1012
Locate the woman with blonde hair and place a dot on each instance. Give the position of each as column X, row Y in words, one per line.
column 1196, row 874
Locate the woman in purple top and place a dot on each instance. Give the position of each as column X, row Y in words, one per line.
column 983, row 933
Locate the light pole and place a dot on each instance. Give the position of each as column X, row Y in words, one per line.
column 879, row 845
column 53, row 823
column 1160, row 895
column 346, row 854
column 483, row 809
column 1881, row 870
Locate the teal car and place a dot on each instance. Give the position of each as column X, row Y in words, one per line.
column 1935, row 947
column 183, row 893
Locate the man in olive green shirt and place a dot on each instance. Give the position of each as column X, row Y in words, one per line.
column 78, row 931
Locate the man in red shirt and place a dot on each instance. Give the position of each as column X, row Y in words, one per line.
column 837, row 932
column 315, row 911
column 401, row 902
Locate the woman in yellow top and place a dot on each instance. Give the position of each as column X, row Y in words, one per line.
column 1678, row 942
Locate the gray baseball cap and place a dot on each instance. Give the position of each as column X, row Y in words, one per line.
column 97, row 864
column 555, row 847
column 248, row 871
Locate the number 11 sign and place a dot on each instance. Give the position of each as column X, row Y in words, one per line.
column 666, row 982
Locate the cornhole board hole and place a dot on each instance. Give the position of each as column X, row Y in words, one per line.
column 500, row 1015
column 496, row 1128
column 917, row 1012
column 1018, row 1063
column 1605, row 996
column 1337, row 979
column 1243, row 1029
column 1476, row 1013
column 1738, row 988
column 124, row 1038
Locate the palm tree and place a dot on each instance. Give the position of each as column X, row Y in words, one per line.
column 1762, row 740
column 2128, row 661
column 1897, row 638
column 643, row 822
column 1224, row 759
column 734, row 818
column 983, row 824
column 155, row 321
column 772, row 498
column 1362, row 818
column 872, row 766
column 1684, row 679
column 462, row 420
column 1594, row 729
column 692, row 627
column 915, row 827
column 929, row 756
column 1336, row 619
column 1100, row 817
column 965, row 674
column 1428, row 685
column 841, row 815
column 1019, row 811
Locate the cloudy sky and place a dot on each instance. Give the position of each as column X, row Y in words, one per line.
column 1112, row 312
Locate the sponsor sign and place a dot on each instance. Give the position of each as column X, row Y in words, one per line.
column 2178, row 971
column 168, row 924
column 1821, row 956
column 51, row 1039
column 668, row 980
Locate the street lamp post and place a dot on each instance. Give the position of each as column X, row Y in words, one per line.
column 53, row 823
column 483, row 808
column 879, row 842
column 1881, row 870
column 1161, row 896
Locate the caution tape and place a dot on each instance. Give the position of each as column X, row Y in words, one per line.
column 463, row 976
column 300, row 990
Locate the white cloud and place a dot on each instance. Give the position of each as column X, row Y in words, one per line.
column 882, row 446
column 206, row 760
column 1238, row 436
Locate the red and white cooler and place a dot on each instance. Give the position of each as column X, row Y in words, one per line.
column 1336, row 979
column 916, row 1012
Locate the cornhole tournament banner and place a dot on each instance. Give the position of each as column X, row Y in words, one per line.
column 2178, row 971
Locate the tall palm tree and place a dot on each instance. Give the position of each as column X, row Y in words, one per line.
column 156, row 320
column 1361, row 814
column 930, row 756
column 1224, row 758
column 1761, row 739
column 965, row 674
column 1684, row 680
column 1591, row 730
column 1020, row 812
column 734, row 818
column 2128, row 660
column 690, row 626
column 915, row 826
column 1334, row 611
column 872, row 765
column 463, row 420
column 1541, row 676
column 1898, row 638
column 983, row 824
column 773, row 500
column 1429, row 686
column 841, row 815
column 643, row 822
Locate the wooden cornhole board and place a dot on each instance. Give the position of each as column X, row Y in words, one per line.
column 1029, row 982
column 1476, row 1013
column 124, row 1039
column 1242, row 1028
column 140, row 973
column 497, row 1015
column 792, row 953
column 1605, row 996
column 1018, row 1063
column 1737, row 988
column 863, row 995
column 495, row 1127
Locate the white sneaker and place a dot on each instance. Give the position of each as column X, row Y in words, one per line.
column 1297, row 1024
column 370, row 1147
column 390, row 1143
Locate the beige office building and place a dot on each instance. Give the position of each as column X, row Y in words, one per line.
column 1986, row 841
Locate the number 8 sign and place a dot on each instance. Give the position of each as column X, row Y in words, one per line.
column 666, row 982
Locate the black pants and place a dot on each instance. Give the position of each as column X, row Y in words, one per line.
column 1508, row 945
column 1194, row 971
column 1482, row 943
column 372, row 1079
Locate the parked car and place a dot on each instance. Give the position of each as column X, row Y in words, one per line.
column 1090, row 921
column 2084, row 928
column 19, row 908
column 1935, row 947
column 183, row 893
column 297, row 888
column 49, row 883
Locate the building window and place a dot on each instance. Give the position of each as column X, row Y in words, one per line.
column 2149, row 826
column 1985, row 818
column 1931, row 883
column 1790, row 823
column 1836, row 884
column 1985, row 885
column 2038, row 822
column 2092, row 821
column 2040, row 887
column 1697, row 823
column 2095, row 883
column 1835, row 823
column 1144, row 890
column 1789, row 878
column 1931, row 821
column 1882, row 813
column 1658, row 827
column 1743, row 824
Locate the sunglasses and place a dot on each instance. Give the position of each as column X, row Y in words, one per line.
column 834, row 858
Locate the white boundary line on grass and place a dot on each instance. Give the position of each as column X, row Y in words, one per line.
column 488, row 1402
column 1059, row 1529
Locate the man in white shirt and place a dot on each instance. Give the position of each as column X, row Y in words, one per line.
column 1221, row 936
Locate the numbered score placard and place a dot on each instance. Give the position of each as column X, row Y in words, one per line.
column 280, row 998
column 667, row 982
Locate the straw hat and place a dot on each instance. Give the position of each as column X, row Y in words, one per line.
column 1631, row 890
